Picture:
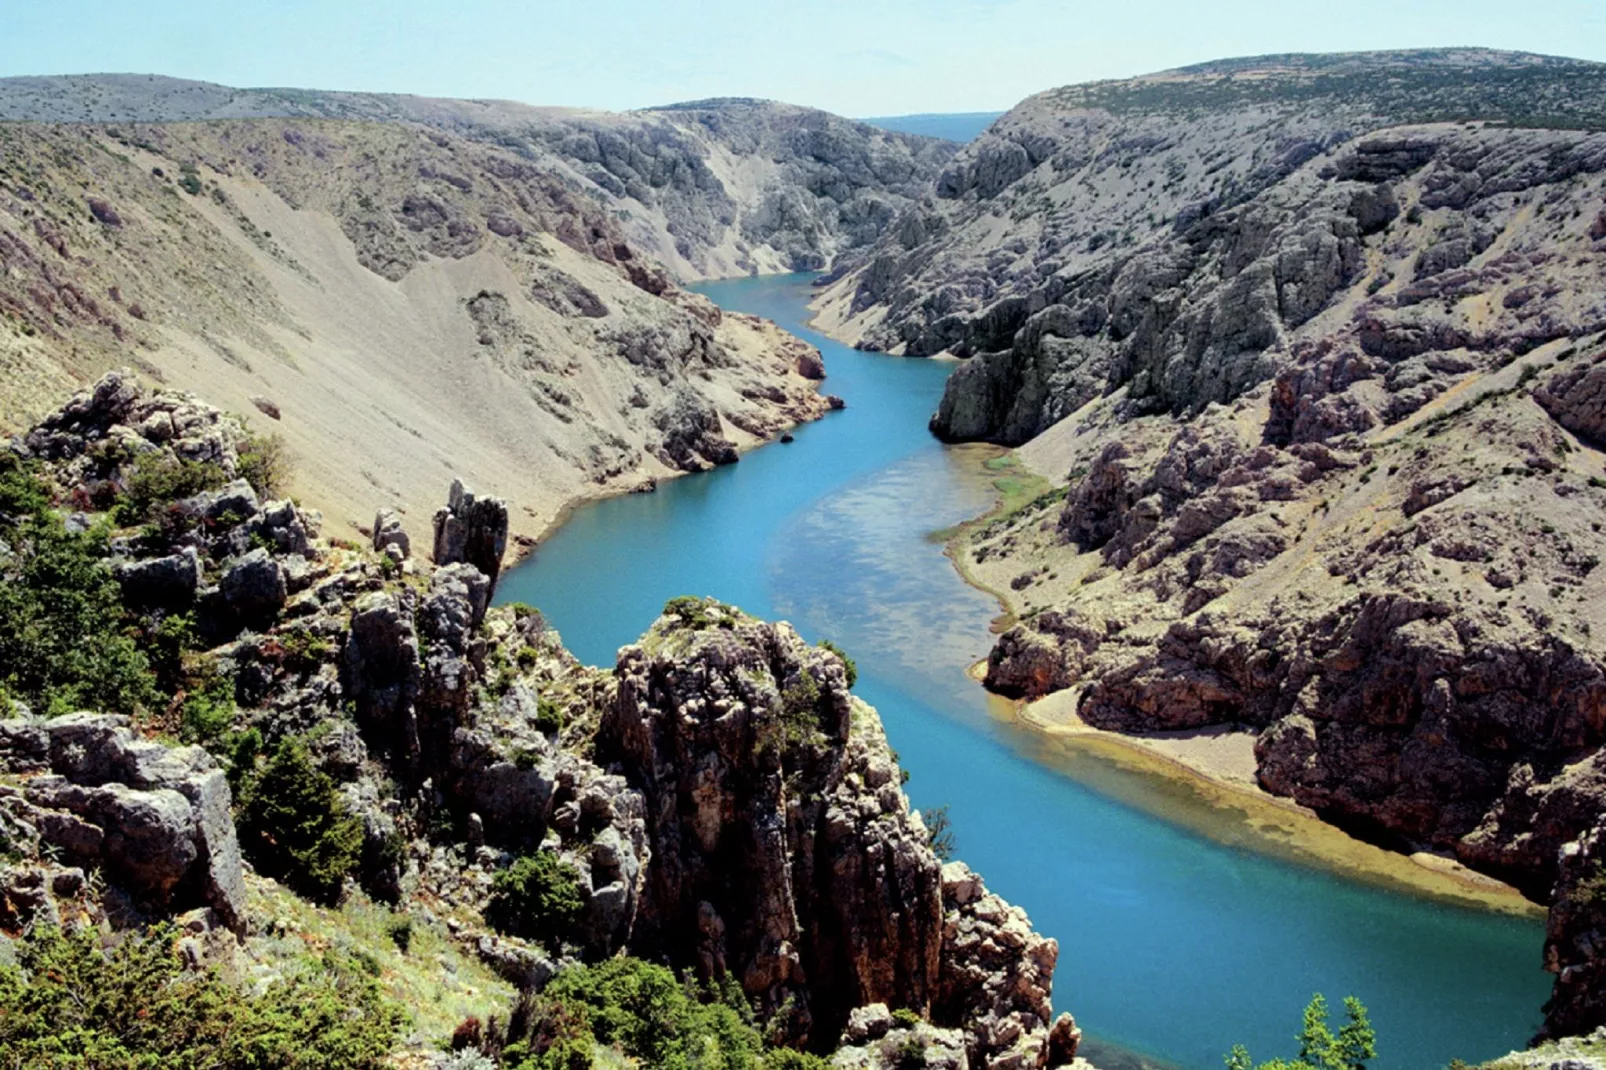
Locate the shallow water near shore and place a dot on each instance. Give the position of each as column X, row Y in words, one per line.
column 1182, row 930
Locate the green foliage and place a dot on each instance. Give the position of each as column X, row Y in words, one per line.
column 189, row 180
column 295, row 827
column 548, row 715
column 644, row 1012
column 400, row 929
column 1319, row 1049
column 65, row 640
column 939, row 832
column 797, row 722
column 904, row 1018
column 67, row 1004
column 848, row 663
column 158, row 480
column 700, row 613
column 208, row 711
column 537, row 897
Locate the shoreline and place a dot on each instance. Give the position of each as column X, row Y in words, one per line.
column 1205, row 780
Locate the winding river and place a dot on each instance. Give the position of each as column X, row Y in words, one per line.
column 1179, row 936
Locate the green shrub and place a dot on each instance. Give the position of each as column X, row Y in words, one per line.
column 701, row 613
column 208, row 710
column 548, row 715
column 905, row 1018
column 66, row 1004
column 939, row 832
column 848, row 663
column 400, row 929
column 537, row 897
column 65, row 639
column 157, row 480
column 294, row 825
column 644, row 1012
column 1351, row 1048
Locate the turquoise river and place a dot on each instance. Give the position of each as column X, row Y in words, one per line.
column 1174, row 943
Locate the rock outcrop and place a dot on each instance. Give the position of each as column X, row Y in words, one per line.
column 785, row 853
column 532, row 350
column 155, row 820
column 471, row 531
column 711, row 188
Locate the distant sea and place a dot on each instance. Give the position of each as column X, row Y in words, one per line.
column 957, row 126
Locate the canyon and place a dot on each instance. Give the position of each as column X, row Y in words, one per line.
column 1300, row 357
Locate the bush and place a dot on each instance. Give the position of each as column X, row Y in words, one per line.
column 264, row 464
column 65, row 640
column 548, row 716
column 68, row 1004
column 294, row 825
column 208, row 710
column 400, row 929
column 904, row 1018
column 537, row 897
column 645, row 1012
column 700, row 613
column 939, row 832
column 159, row 480
column 642, row 1012
column 851, row 666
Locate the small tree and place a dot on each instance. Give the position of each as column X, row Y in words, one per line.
column 295, row 827
column 538, row 897
column 939, row 832
column 1319, row 1049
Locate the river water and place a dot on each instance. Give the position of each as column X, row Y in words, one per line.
column 1175, row 943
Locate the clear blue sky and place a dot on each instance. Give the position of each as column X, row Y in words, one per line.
column 855, row 57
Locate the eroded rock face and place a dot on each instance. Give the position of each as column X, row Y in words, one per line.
column 995, row 976
column 784, row 850
column 725, row 803
column 1574, row 933
column 156, row 819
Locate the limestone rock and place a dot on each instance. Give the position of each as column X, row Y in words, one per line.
column 254, row 587
column 162, row 583
column 388, row 532
column 784, row 851
column 473, row 531
column 156, row 819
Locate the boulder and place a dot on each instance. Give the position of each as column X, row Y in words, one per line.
column 168, row 583
column 388, row 533
column 254, row 588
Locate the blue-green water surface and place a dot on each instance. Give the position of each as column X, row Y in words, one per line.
column 1173, row 945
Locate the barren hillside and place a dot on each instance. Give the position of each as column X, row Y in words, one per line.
column 712, row 189
column 402, row 304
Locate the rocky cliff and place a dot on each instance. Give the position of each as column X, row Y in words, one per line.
column 719, row 801
column 400, row 304
column 1313, row 383
column 710, row 189
column 1075, row 181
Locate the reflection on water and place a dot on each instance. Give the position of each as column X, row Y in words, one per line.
column 858, row 567
column 1180, row 933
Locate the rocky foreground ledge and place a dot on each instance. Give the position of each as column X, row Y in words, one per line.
column 721, row 800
